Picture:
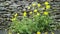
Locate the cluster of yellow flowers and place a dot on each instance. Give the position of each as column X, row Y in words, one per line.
column 35, row 4
column 36, row 10
column 45, row 13
column 47, row 5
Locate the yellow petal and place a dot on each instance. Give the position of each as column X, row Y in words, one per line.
column 38, row 32
column 28, row 7
column 15, row 15
column 46, row 32
column 46, row 3
column 33, row 4
column 30, row 12
column 13, row 19
column 24, row 14
column 47, row 6
column 38, row 14
column 45, row 13
column 35, row 10
column 39, row 5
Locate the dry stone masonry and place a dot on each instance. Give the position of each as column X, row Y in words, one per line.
column 9, row 7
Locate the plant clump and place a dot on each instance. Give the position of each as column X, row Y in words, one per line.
column 40, row 20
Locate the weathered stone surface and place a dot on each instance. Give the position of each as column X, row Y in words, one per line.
column 7, row 8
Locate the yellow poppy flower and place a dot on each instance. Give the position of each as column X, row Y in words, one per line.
column 35, row 10
column 38, row 32
column 28, row 7
column 39, row 5
column 47, row 6
column 46, row 3
column 46, row 32
column 33, row 4
column 52, row 32
column 45, row 13
column 15, row 15
column 13, row 19
column 38, row 14
column 24, row 14
column 30, row 12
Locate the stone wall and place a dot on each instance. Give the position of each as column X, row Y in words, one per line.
column 8, row 7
